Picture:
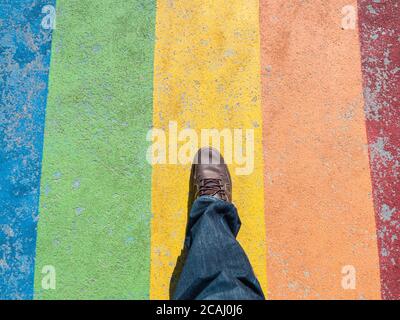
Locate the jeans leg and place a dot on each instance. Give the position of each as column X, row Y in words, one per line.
column 216, row 267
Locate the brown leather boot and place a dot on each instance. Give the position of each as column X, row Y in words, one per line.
column 209, row 176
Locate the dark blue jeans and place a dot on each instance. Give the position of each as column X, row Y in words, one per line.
column 215, row 265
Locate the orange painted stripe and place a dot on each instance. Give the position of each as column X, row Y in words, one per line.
column 319, row 211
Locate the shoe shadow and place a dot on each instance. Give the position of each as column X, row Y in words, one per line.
column 180, row 261
column 177, row 273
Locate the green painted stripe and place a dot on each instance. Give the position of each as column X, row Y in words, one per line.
column 95, row 203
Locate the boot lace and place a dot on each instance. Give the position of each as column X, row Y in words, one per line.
column 212, row 187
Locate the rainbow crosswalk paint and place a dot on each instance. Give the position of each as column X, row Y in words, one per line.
column 77, row 103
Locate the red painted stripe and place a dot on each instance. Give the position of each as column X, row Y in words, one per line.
column 379, row 23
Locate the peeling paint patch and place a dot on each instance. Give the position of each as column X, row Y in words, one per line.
column 387, row 213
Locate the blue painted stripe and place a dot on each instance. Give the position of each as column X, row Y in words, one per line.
column 24, row 66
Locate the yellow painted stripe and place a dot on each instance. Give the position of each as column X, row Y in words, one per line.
column 207, row 67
